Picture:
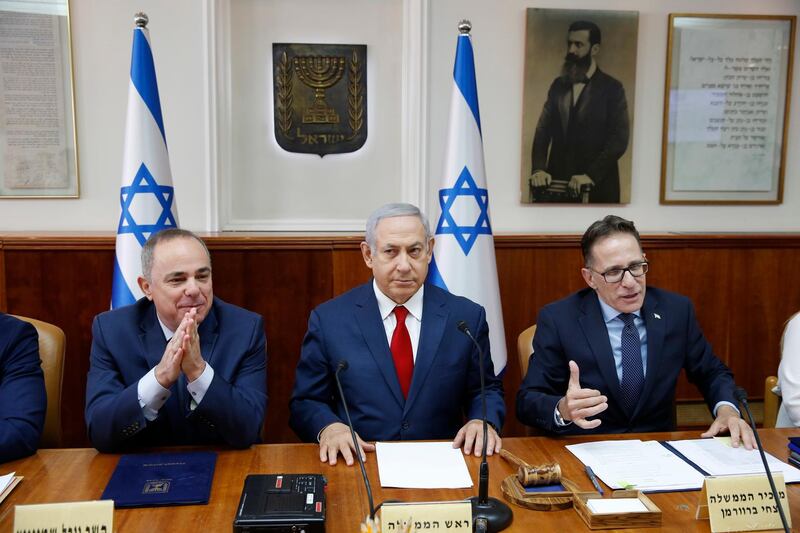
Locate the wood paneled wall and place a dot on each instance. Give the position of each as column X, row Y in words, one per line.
column 744, row 288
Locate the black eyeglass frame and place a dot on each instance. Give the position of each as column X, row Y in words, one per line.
column 645, row 265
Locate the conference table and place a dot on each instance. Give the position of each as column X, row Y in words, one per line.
column 64, row 475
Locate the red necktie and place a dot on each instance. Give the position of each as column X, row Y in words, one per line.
column 401, row 350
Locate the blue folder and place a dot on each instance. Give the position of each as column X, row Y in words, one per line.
column 155, row 479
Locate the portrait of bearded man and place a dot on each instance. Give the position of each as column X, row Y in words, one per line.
column 583, row 128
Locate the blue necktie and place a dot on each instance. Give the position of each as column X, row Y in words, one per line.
column 632, row 370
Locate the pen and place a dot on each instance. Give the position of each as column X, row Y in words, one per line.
column 593, row 478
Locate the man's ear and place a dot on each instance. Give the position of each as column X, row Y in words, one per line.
column 587, row 277
column 595, row 49
column 430, row 250
column 366, row 253
column 145, row 286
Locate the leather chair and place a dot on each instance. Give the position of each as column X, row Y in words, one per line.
column 52, row 344
column 771, row 402
column 525, row 349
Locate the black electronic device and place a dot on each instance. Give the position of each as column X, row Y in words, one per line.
column 281, row 503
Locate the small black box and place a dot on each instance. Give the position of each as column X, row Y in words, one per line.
column 281, row 503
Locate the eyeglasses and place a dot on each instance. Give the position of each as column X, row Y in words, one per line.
column 615, row 275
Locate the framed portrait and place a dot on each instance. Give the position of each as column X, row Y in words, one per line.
column 38, row 156
column 726, row 105
column 578, row 101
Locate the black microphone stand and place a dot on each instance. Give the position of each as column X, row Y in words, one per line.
column 488, row 514
column 741, row 396
column 343, row 365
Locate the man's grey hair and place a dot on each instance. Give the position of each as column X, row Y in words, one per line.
column 391, row 211
column 164, row 236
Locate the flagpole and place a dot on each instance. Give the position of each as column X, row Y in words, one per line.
column 146, row 197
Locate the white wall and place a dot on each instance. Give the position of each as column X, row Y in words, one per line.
column 102, row 33
column 183, row 35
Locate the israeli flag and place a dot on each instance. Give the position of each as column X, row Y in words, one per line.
column 147, row 198
column 463, row 256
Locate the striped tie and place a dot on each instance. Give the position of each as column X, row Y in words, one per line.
column 632, row 370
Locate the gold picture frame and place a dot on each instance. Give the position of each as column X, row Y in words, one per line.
column 726, row 108
column 38, row 140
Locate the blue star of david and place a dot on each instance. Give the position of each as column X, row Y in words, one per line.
column 465, row 235
column 144, row 183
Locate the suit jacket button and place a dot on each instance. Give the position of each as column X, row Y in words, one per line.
column 404, row 425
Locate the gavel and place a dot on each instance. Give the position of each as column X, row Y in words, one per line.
column 533, row 475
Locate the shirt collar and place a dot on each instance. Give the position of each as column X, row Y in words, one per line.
column 386, row 305
column 168, row 333
column 592, row 69
column 609, row 313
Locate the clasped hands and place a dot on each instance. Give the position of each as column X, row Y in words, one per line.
column 335, row 439
column 182, row 354
column 579, row 404
column 540, row 178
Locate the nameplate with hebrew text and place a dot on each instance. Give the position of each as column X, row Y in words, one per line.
column 72, row 517
column 743, row 502
column 427, row 517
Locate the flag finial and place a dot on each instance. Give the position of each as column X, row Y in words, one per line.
column 464, row 26
column 141, row 20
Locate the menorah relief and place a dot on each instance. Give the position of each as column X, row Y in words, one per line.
column 319, row 73
column 320, row 97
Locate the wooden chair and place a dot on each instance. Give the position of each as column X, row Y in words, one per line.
column 525, row 349
column 771, row 402
column 52, row 344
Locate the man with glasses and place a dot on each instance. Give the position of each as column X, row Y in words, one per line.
column 607, row 358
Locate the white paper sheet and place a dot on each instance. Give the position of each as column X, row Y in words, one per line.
column 6, row 480
column 719, row 458
column 422, row 465
column 647, row 466
column 616, row 505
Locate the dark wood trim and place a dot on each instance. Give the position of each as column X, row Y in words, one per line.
column 744, row 287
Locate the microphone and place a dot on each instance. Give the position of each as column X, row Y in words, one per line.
column 741, row 396
column 342, row 366
column 488, row 514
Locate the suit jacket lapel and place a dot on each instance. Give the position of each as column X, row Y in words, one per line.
column 152, row 337
column 434, row 320
column 565, row 105
column 655, row 342
column 368, row 318
column 208, row 332
column 594, row 328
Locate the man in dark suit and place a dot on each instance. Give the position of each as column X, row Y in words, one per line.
column 179, row 366
column 411, row 374
column 583, row 129
column 23, row 400
column 607, row 358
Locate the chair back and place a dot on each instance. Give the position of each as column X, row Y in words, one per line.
column 525, row 349
column 771, row 402
column 52, row 344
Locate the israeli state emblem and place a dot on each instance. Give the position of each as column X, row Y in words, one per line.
column 320, row 97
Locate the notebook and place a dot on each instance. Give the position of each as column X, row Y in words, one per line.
column 145, row 480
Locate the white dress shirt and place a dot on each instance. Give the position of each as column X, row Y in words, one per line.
column 789, row 375
column 577, row 88
column 413, row 320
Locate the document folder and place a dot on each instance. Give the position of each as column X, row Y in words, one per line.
column 145, row 480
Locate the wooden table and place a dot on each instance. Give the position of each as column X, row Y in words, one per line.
column 81, row 474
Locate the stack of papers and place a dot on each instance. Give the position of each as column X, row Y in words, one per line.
column 652, row 466
column 718, row 458
column 422, row 465
column 643, row 465
column 616, row 505
column 7, row 484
